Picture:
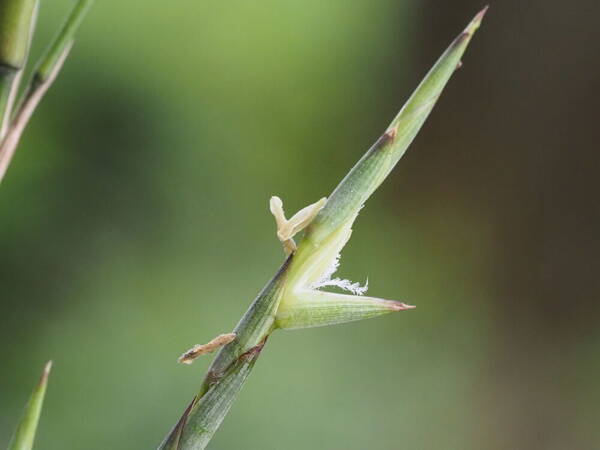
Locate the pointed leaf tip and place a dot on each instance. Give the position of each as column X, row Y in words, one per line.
column 482, row 13
column 476, row 22
column 46, row 372
column 399, row 306
column 394, row 305
column 25, row 433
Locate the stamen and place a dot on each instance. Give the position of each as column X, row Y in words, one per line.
column 286, row 229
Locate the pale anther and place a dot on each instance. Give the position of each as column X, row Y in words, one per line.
column 286, row 229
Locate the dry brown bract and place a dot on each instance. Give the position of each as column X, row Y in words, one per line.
column 201, row 349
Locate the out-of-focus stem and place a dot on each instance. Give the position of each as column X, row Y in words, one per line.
column 44, row 75
column 26, row 109
column 64, row 39
column 17, row 23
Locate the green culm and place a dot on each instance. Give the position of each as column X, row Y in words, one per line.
column 294, row 298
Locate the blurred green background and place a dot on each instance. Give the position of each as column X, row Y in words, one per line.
column 134, row 223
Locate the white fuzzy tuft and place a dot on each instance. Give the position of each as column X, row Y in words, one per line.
column 329, row 272
column 346, row 285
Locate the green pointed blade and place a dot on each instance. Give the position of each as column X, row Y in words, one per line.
column 25, row 434
column 349, row 196
column 316, row 308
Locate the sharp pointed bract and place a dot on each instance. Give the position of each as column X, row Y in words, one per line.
column 314, row 308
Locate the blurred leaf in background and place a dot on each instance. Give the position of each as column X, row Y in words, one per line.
column 24, row 435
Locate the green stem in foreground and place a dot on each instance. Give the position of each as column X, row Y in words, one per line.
column 229, row 370
column 293, row 298
column 25, row 433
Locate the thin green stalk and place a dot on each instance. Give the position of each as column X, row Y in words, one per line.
column 64, row 39
column 294, row 297
column 25, row 433
column 44, row 75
